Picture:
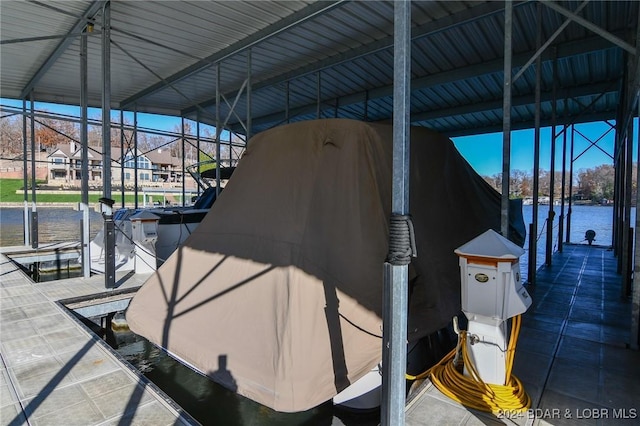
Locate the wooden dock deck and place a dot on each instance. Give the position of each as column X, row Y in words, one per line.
column 572, row 356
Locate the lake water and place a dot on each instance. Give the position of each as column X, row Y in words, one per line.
column 583, row 218
column 55, row 224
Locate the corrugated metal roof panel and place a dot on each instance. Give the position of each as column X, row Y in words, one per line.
column 456, row 57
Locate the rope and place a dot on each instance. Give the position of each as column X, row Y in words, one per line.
column 544, row 224
column 402, row 244
column 470, row 390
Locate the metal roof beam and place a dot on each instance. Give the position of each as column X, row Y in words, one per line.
column 494, row 105
column 591, row 26
column 93, row 8
column 297, row 18
column 525, row 125
column 497, row 104
column 573, row 48
column 451, row 21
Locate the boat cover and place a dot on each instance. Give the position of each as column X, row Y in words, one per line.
column 278, row 293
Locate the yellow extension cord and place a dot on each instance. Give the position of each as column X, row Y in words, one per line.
column 471, row 391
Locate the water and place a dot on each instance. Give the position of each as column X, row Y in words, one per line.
column 206, row 401
column 583, row 218
column 63, row 225
column 55, row 224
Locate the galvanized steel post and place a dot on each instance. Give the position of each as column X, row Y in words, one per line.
column 184, row 154
column 394, row 349
column 218, row 129
column 135, row 156
column 249, row 94
column 533, row 230
column 25, row 177
column 34, row 212
column 634, row 340
column 84, row 146
column 506, row 119
column 569, row 211
column 122, row 176
column 109, row 226
column 552, row 167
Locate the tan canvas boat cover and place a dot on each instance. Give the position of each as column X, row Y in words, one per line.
column 278, row 293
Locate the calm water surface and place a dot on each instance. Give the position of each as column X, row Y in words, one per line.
column 55, row 224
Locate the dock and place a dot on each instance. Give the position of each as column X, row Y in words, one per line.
column 53, row 371
column 572, row 356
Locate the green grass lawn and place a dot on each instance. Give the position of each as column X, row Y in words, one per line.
column 9, row 194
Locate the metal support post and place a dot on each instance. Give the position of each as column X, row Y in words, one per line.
column 286, row 101
column 198, row 145
column 506, row 120
column 84, row 170
column 552, row 167
column 122, row 139
column 25, row 176
column 109, row 228
column 135, row 156
column 626, row 237
column 563, row 185
column 249, row 94
column 34, row 212
column 570, row 184
column 634, row 337
column 533, row 230
column 395, row 304
column 109, row 242
column 184, row 154
column 218, row 130
column 318, row 94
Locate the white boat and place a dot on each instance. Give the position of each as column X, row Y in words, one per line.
column 174, row 226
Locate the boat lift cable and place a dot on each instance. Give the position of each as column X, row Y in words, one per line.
column 470, row 390
column 544, row 225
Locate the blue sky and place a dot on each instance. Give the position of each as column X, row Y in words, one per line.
column 483, row 152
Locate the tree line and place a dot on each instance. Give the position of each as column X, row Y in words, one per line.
column 51, row 133
column 594, row 184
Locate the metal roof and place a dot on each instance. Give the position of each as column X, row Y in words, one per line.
column 165, row 57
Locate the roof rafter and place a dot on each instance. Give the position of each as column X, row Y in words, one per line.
column 468, row 15
column 93, row 8
column 577, row 47
column 284, row 24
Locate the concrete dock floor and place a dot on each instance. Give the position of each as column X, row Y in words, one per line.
column 572, row 356
column 54, row 372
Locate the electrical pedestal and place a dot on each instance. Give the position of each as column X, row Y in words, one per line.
column 491, row 294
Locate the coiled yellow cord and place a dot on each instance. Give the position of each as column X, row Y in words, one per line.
column 471, row 391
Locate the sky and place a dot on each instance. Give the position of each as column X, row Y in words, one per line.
column 483, row 152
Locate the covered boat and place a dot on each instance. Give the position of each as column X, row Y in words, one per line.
column 278, row 293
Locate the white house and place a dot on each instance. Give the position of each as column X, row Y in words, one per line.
column 155, row 168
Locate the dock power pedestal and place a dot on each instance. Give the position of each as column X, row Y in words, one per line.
column 491, row 294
